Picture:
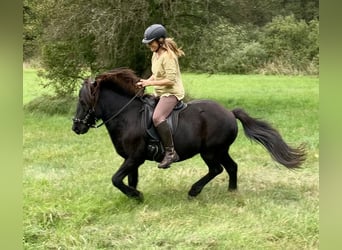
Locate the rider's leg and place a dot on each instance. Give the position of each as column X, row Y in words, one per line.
column 161, row 112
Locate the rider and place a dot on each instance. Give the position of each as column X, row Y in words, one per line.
column 167, row 82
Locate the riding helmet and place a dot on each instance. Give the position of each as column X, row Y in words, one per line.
column 154, row 32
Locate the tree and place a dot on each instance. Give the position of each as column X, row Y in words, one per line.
column 31, row 29
column 292, row 41
column 86, row 37
column 78, row 38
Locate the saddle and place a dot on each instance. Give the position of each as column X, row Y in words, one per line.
column 155, row 148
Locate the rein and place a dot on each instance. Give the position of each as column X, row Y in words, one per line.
column 122, row 109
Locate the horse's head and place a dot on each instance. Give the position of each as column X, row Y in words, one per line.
column 85, row 112
column 120, row 80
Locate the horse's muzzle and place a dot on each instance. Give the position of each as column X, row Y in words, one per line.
column 79, row 128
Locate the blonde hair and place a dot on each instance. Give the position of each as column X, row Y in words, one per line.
column 171, row 46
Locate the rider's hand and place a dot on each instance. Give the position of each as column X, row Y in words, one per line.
column 143, row 83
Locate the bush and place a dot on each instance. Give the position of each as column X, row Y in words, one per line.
column 292, row 45
column 52, row 105
column 228, row 48
column 67, row 66
column 284, row 46
column 245, row 59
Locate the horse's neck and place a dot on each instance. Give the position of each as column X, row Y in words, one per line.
column 111, row 103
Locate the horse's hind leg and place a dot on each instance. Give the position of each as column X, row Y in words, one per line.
column 215, row 169
column 231, row 167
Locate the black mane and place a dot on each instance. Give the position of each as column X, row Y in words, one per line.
column 121, row 80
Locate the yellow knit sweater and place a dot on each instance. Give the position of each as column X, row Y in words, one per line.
column 166, row 67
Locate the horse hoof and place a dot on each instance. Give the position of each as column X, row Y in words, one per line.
column 190, row 197
column 140, row 197
column 193, row 193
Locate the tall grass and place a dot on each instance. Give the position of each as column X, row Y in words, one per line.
column 70, row 203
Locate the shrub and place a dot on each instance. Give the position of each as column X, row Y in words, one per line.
column 290, row 43
column 228, row 48
column 66, row 64
column 52, row 105
column 245, row 59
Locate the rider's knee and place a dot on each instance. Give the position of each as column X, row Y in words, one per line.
column 157, row 120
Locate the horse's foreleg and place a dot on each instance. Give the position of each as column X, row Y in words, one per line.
column 133, row 178
column 127, row 168
column 215, row 169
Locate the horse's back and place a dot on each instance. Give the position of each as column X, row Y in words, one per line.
column 208, row 124
column 215, row 116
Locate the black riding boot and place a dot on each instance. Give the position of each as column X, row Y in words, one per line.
column 171, row 155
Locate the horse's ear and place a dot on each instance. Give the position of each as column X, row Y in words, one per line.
column 94, row 86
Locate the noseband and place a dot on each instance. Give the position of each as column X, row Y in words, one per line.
column 85, row 120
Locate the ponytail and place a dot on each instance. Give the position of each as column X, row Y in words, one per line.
column 171, row 46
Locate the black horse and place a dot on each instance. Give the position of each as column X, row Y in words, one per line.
column 204, row 127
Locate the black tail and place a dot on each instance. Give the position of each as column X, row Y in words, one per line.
column 270, row 138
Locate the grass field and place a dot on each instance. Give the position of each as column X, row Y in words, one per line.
column 70, row 203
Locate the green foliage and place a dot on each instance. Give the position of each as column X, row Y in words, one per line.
column 31, row 30
column 291, row 42
column 228, row 48
column 77, row 38
column 66, row 66
column 82, row 38
column 284, row 46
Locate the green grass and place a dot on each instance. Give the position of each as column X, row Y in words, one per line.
column 32, row 88
column 39, row 99
column 70, row 203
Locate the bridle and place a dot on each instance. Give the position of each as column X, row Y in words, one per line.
column 91, row 112
column 85, row 120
